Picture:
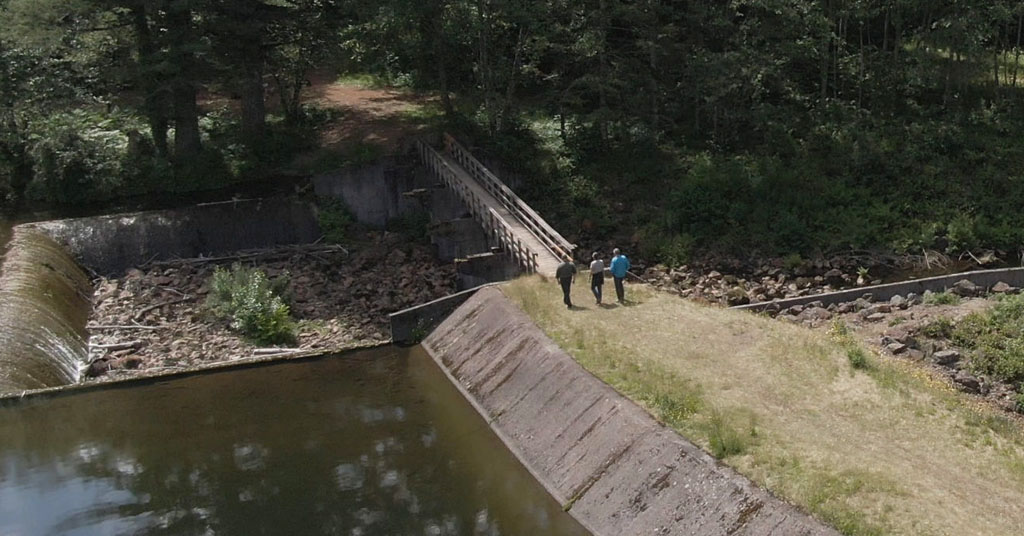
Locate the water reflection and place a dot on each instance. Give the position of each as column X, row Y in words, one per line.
column 378, row 443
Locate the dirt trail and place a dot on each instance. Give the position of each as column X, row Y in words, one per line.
column 378, row 116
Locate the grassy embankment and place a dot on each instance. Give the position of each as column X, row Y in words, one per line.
column 868, row 444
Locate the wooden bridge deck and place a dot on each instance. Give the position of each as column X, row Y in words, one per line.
column 517, row 229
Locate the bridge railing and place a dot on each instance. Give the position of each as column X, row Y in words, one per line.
column 555, row 243
column 493, row 224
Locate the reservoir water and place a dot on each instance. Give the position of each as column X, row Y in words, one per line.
column 375, row 442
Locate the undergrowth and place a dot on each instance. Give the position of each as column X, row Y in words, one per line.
column 252, row 303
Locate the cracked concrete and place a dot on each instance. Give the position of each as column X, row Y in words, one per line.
column 616, row 469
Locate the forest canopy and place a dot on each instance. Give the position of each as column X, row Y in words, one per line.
column 743, row 126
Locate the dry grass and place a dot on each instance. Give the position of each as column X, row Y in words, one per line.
column 875, row 450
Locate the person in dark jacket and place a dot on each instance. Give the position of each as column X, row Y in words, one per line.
column 565, row 274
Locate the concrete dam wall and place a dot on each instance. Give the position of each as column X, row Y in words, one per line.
column 605, row 459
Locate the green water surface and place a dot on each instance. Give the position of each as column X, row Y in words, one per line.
column 375, row 442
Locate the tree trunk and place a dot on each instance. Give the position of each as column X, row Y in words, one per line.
column 1016, row 50
column 507, row 108
column 155, row 105
column 254, row 112
column 885, row 30
column 187, row 142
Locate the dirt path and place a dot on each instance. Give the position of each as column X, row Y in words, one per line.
column 380, row 116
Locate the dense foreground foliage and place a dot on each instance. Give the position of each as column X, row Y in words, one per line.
column 252, row 303
column 752, row 126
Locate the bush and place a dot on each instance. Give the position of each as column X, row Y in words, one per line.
column 941, row 298
column 77, row 156
column 252, row 303
column 334, row 218
column 940, row 328
column 415, row 225
column 858, row 358
column 997, row 338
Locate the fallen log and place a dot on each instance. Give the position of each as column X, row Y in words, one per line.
column 118, row 346
column 111, row 327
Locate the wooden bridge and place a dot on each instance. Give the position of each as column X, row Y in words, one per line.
column 515, row 227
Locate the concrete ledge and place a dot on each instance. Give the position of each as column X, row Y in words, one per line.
column 606, row 460
column 114, row 243
column 982, row 278
column 410, row 326
column 7, row 399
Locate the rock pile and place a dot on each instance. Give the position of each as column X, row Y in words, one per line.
column 153, row 318
column 763, row 283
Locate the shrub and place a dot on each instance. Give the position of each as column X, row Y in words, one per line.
column 415, row 225
column 940, row 328
column 858, row 358
column 252, row 303
column 997, row 338
column 725, row 439
column 334, row 218
column 77, row 156
column 941, row 298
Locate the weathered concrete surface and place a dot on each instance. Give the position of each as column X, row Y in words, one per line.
column 482, row 268
column 112, row 244
column 983, row 278
column 410, row 325
column 374, row 193
column 609, row 462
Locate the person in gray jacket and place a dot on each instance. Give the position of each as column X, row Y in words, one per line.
column 596, row 276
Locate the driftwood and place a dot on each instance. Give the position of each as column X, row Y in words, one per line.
column 118, row 346
column 271, row 253
column 111, row 327
column 142, row 312
column 275, row 351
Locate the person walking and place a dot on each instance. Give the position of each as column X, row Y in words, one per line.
column 565, row 274
column 596, row 276
column 619, row 268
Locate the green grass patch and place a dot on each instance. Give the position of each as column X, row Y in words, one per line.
column 939, row 328
column 996, row 337
column 941, row 298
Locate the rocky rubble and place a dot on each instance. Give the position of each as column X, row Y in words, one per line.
column 897, row 325
column 765, row 282
column 152, row 318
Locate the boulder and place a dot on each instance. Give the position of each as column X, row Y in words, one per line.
column 913, row 299
column 946, row 358
column 965, row 288
column 834, row 277
column 898, row 302
column 966, row 382
column 875, row 317
column 896, row 348
column 1002, row 288
column 846, row 307
column 878, row 308
column 815, row 313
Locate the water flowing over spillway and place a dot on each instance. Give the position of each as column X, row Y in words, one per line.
column 45, row 301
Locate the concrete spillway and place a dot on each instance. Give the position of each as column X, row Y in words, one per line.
column 46, row 300
column 607, row 461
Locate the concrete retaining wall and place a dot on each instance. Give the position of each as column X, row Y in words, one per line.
column 982, row 278
column 112, row 244
column 374, row 193
column 410, row 325
column 612, row 466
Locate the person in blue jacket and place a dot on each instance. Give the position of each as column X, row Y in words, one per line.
column 619, row 267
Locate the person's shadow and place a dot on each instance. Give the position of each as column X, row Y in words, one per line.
column 608, row 305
